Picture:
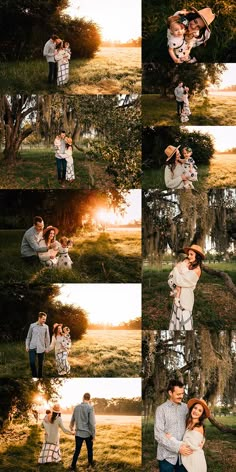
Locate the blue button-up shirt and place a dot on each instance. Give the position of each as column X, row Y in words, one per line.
column 170, row 418
column 84, row 420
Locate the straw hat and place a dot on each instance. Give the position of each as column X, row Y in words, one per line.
column 202, row 402
column 196, row 249
column 49, row 229
column 170, row 150
column 206, row 15
column 56, row 408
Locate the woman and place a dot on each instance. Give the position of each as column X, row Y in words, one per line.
column 49, row 258
column 51, row 447
column 174, row 170
column 185, row 276
column 59, row 343
column 70, row 173
column 62, row 57
column 195, row 435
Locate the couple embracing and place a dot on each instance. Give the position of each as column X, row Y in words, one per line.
column 180, row 432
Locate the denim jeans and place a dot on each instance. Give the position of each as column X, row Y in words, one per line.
column 32, row 359
column 61, row 168
column 52, row 72
column 180, row 106
column 165, row 466
column 78, row 444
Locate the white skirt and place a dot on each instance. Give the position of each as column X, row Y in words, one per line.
column 49, row 453
column 181, row 319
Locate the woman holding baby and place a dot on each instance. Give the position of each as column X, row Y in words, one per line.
column 182, row 281
column 61, row 344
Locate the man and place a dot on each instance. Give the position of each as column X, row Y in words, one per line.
column 60, row 147
column 179, row 93
column 49, row 53
column 30, row 242
column 84, row 420
column 37, row 343
column 171, row 418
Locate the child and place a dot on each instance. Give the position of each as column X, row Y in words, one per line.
column 186, row 109
column 190, row 168
column 66, row 335
column 178, row 46
column 64, row 260
column 70, row 173
column 67, row 48
column 181, row 267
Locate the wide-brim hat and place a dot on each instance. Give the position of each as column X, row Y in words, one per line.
column 206, row 15
column 56, row 325
column 170, row 150
column 49, row 228
column 56, row 408
column 202, row 402
column 196, row 249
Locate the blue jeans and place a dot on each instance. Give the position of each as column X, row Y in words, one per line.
column 52, row 72
column 78, row 444
column 180, row 106
column 165, row 466
column 61, row 168
column 32, row 359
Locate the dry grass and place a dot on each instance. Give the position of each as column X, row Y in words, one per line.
column 222, row 172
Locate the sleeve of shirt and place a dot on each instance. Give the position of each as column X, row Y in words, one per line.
column 52, row 345
column 61, row 425
column 169, row 181
column 47, row 339
column 172, row 444
column 46, row 51
column 34, row 245
column 92, row 422
column 187, row 280
column 72, row 421
column 28, row 338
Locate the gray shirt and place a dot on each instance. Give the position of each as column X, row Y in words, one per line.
column 170, row 418
column 84, row 419
column 49, row 51
column 179, row 92
column 30, row 243
column 38, row 337
column 61, row 150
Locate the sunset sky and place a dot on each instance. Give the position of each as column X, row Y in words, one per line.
column 132, row 211
column 224, row 136
column 119, row 20
column 228, row 77
column 104, row 303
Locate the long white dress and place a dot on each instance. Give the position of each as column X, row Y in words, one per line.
column 62, row 58
column 181, row 316
column 196, row 461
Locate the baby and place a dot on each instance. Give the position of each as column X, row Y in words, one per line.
column 179, row 43
column 181, row 267
column 190, row 168
column 186, row 109
column 64, row 260
column 67, row 339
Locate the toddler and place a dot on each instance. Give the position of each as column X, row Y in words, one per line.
column 186, row 109
column 190, row 168
column 181, row 267
column 179, row 43
column 64, row 260
column 67, row 338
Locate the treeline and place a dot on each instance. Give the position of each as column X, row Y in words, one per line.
column 117, row 406
column 132, row 324
column 26, row 25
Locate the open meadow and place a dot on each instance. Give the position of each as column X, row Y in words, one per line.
column 214, row 306
column 117, row 447
column 220, row 173
column 213, row 111
column 110, row 256
column 100, row 353
column 219, row 447
column 36, row 169
column 113, row 70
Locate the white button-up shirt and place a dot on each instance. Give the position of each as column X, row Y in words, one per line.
column 38, row 337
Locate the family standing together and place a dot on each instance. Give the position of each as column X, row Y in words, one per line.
column 57, row 53
column 180, row 432
column 82, row 427
column 38, row 343
column 40, row 244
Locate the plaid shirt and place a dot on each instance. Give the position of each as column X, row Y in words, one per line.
column 170, row 418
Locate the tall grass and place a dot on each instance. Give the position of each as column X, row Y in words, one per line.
column 214, row 111
column 100, row 257
column 111, row 71
column 116, row 448
column 100, row 353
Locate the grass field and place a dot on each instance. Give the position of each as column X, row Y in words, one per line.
column 36, row 169
column 113, row 256
column 111, row 71
column 117, row 447
column 214, row 307
column 100, row 353
column 214, row 111
column 220, row 173
column 219, row 447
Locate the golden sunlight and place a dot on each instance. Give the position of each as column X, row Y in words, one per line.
column 119, row 21
column 224, row 136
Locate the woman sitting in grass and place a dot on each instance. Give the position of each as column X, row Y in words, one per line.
column 49, row 258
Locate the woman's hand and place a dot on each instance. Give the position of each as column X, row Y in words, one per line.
column 184, row 178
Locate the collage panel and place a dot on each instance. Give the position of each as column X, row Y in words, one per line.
column 74, row 47
column 188, row 380
column 64, row 141
column 114, row 439
column 70, row 330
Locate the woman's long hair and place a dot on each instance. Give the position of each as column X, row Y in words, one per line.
column 55, row 330
column 171, row 163
column 46, row 236
column 197, row 263
column 54, row 416
column 189, row 424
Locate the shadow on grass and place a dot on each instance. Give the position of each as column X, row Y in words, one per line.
column 99, row 260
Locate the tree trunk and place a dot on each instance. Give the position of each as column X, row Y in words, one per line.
column 221, row 427
column 227, row 279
